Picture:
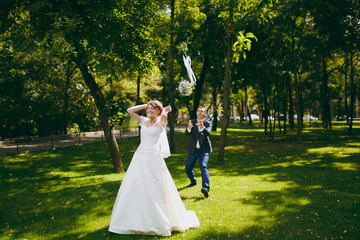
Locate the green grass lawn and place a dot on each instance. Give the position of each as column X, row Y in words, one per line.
column 265, row 190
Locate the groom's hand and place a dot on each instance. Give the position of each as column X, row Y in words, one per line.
column 200, row 124
column 190, row 125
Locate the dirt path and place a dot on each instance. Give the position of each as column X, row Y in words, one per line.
column 12, row 146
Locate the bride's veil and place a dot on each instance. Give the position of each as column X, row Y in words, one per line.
column 164, row 144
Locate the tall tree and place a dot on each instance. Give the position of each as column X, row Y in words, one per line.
column 295, row 72
column 227, row 85
column 69, row 72
column 95, row 34
column 337, row 26
column 171, row 75
column 232, row 18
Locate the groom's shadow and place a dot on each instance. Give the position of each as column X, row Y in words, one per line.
column 188, row 186
column 195, row 198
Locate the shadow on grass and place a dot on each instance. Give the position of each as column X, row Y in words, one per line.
column 318, row 195
column 45, row 193
column 282, row 189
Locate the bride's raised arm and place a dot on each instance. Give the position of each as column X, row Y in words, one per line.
column 163, row 117
column 132, row 111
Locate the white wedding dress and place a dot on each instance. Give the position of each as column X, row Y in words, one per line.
column 148, row 201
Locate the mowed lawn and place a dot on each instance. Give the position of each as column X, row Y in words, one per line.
column 265, row 190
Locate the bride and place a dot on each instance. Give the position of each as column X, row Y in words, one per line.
column 148, row 201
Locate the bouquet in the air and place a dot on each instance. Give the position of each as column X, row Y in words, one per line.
column 185, row 88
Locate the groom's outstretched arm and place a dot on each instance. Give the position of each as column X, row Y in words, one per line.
column 189, row 128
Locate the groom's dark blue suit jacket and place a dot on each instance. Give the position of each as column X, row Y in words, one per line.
column 202, row 136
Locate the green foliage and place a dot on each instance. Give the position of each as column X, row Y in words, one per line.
column 113, row 38
column 118, row 110
column 242, row 44
column 122, row 40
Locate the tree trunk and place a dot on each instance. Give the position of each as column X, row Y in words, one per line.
column 279, row 121
column 66, row 97
column 338, row 109
column 247, row 112
column 326, row 118
column 238, row 108
column 291, row 105
column 266, row 114
column 138, row 90
column 296, row 85
column 103, row 115
column 346, row 91
column 171, row 78
column 352, row 93
column 198, row 86
column 249, row 115
column 241, row 110
column 277, row 112
column 270, row 121
column 298, row 106
column 273, row 127
column 285, row 103
column 265, row 108
column 138, row 99
column 227, row 86
column 215, row 113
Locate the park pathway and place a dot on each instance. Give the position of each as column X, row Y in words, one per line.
column 16, row 146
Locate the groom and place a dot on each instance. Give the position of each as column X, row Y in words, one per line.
column 199, row 148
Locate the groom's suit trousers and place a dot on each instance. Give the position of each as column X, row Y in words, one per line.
column 203, row 161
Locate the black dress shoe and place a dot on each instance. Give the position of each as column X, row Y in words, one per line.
column 191, row 185
column 205, row 192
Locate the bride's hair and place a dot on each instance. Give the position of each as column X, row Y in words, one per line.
column 155, row 104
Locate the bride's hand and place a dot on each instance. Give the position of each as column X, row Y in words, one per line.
column 168, row 109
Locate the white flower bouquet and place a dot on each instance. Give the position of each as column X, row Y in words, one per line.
column 185, row 88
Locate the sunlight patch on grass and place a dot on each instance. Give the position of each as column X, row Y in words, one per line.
column 305, row 162
column 26, row 157
column 101, row 178
column 303, row 201
column 67, row 174
column 245, row 202
column 339, row 152
column 247, row 130
column 346, row 166
column 78, row 180
column 307, row 130
column 235, row 148
column 314, row 187
column 352, row 144
column 289, row 164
